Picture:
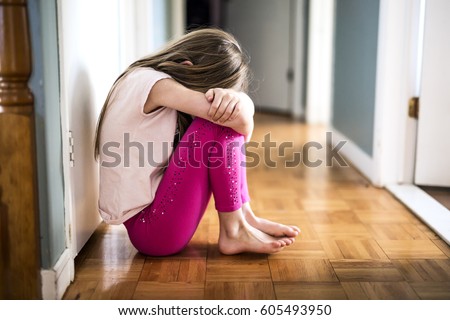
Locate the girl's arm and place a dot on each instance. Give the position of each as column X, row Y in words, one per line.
column 226, row 107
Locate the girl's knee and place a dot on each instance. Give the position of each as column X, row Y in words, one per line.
column 218, row 130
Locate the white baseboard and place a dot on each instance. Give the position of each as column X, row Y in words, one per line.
column 55, row 281
column 429, row 210
column 358, row 158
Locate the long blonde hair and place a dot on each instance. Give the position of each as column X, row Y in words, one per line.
column 217, row 62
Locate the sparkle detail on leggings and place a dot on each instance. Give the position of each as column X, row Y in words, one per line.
column 232, row 154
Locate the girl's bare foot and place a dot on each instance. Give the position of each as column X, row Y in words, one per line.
column 237, row 236
column 272, row 228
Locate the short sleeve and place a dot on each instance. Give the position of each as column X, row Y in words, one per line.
column 139, row 83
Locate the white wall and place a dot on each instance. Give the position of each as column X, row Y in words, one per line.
column 89, row 63
column 136, row 29
column 320, row 61
column 98, row 39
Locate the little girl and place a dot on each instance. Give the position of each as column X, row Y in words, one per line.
column 188, row 100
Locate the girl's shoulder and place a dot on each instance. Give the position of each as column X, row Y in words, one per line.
column 144, row 74
column 138, row 82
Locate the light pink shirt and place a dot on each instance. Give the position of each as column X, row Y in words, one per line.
column 132, row 144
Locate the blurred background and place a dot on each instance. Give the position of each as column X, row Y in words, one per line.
column 356, row 67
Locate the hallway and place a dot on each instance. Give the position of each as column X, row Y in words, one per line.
column 357, row 241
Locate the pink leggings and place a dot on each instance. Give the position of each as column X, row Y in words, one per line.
column 207, row 160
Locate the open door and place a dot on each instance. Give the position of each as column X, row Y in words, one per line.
column 425, row 153
column 433, row 136
column 254, row 23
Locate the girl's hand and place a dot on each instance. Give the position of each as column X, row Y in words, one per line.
column 225, row 104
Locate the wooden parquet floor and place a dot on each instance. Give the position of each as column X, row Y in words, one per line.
column 357, row 242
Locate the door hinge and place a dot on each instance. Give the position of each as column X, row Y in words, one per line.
column 413, row 110
column 70, row 233
column 71, row 150
column 290, row 75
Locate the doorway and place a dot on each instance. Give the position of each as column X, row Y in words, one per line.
column 273, row 34
column 432, row 172
column 204, row 13
column 425, row 188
